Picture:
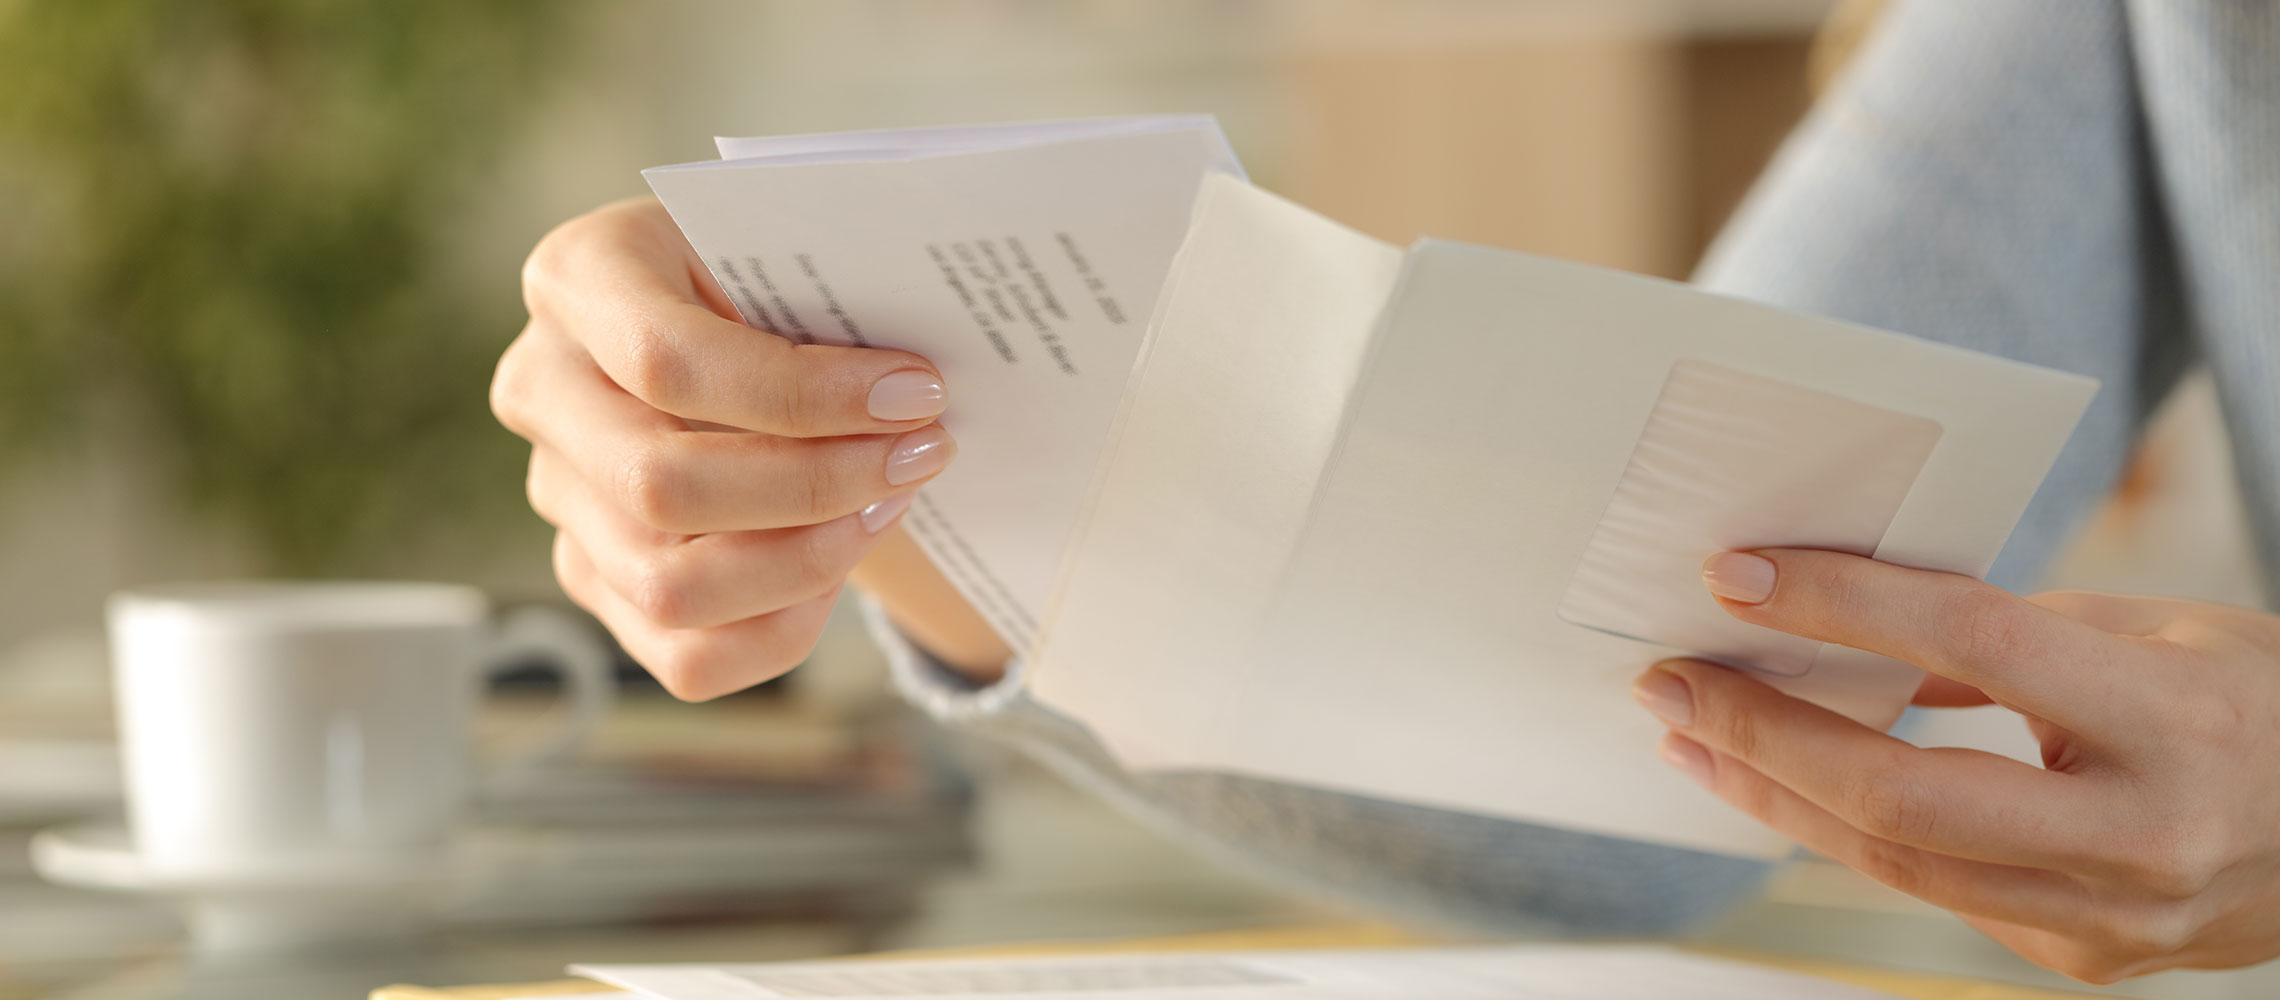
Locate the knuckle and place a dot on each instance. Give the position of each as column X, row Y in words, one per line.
column 2181, row 863
column 534, row 492
column 510, row 386
column 2092, row 966
column 1888, row 801
column 1738, row 731
column 815, row 491
column 816, row 562
column 574, row 246
column 789, row 651
column 694, row 665
column 651, row 366
column 682, row 669
column 663, row 590
column 562, row 570
column 542, row 266
column 789, row 405
column 1839, row 597
column 706, row 664
column 1893, row 864
column 2131, row 936
column 2168, row 930
column 655, row 488
column 552, row 260
column 1749, row 791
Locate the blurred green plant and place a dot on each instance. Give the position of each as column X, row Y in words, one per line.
column 224, row 226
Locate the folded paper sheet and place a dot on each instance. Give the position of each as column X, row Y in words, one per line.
column 1020, row 259
column 1407, row 525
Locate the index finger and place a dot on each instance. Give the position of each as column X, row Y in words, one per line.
column 625, row 286
column 2023, row 655
column 1963, row 803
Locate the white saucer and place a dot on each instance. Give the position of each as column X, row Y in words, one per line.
column 291, row 907
column 103, row 856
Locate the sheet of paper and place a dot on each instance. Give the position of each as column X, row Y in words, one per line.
column 910, row 143
column 1391, row 625
column 1022, row 260
column 1535, row 972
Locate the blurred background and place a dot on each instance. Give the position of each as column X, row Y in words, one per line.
column 257, row 259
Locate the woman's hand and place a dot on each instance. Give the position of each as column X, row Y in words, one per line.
column 2150, row 838
column 711, row 485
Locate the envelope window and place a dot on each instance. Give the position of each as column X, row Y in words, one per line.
column 1733, row 460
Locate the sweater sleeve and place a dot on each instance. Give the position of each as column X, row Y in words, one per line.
column 1980, row 176
column 1429, row 867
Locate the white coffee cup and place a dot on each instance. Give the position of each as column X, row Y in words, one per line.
column 269, row 726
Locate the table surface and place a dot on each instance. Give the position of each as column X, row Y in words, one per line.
column 1910, row 985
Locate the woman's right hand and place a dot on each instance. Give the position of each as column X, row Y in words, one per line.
column 711, row 485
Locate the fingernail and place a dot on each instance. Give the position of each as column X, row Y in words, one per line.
column 883, row 513
column 1667, row 695
column 1690, row 758
column 906, row 395
column 1739, row 576
column 919, row 454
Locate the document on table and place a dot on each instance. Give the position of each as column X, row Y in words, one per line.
column 1022, row 260
column 1406, row 525
column 1531, row 972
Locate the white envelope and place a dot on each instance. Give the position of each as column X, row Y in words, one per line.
column 1408, row 525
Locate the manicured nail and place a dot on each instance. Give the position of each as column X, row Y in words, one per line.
column 1690, row 758
column 1667, row 695
column 919, row 454
column 906, row 395
column 1739, row 576
column 883, row 513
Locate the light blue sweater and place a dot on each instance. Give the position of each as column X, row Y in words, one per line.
column 2086, row 184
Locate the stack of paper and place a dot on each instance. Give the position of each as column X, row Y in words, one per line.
column 1397, row 523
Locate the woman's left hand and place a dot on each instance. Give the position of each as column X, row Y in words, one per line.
column 2149, row 839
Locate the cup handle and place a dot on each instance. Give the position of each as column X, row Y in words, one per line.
column 568, row 645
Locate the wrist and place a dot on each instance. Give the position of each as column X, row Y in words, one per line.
column 926, row 609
